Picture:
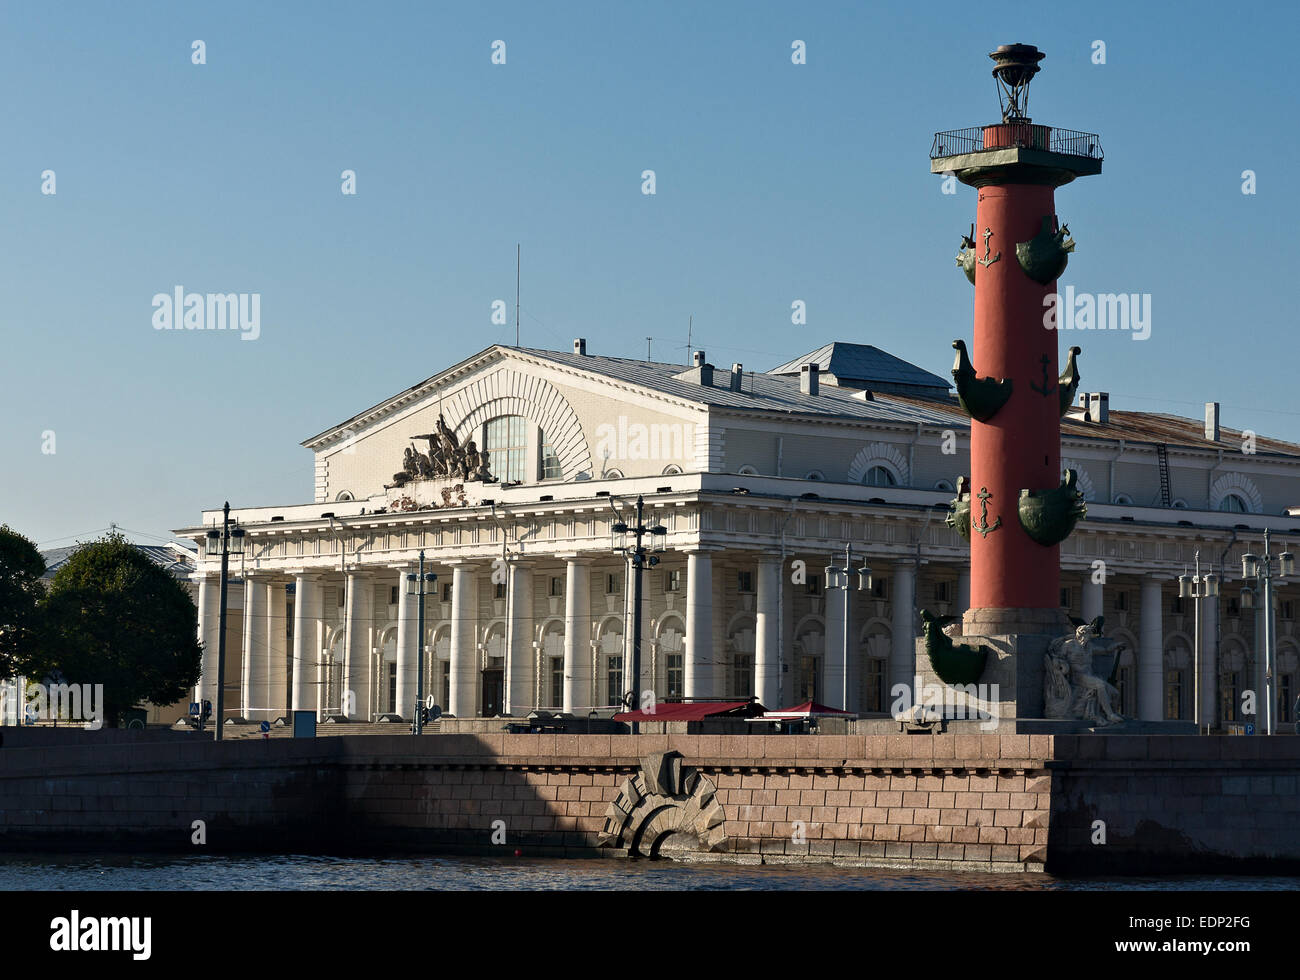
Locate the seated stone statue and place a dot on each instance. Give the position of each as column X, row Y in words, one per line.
column 1070, row 688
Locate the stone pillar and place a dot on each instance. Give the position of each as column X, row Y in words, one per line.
column 698, row 666
column 1091, row 601
column 359, row 610
column 306, row 642
column 902, row 656
column 1151, row 663
column 209, row 631
column 519, row 692
column 577, row 635
column 464, row 651
column 253, row 663
column 1209, row 661
column 767, row 636
column 277, row 643
column 408, row 625
column 963, row 590
column 833, row 665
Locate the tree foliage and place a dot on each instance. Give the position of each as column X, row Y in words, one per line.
column 113, row 617
column 21, row 568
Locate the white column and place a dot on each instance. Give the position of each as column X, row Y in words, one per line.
column 963, row 590
column 277, row 646
column 1091, row 603
column 252, row 662
column 902, row 655
column 306, row 642
column 359, row 611
column 767, row 636
column 833, row 659
column 1151, row 664
column 519, row 634
column 1209, row 660
column 209, row 627
column 408, row 624
column 698, row 666
column 464, row 652
column 577, row 636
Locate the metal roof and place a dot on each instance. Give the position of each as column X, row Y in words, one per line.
column 865, row 364
column 174, row 558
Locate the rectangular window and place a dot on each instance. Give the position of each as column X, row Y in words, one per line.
column 613, row 584
column 876, row 671
column 446, row 592
column 1065, row 598
column 743, row 675
column 392, row 687
column 745, row 581
column 814, row 585
column 499, row 590
column 614, row 680
column 446, row 682
column 340, row 592
column 1121, row 600
column 676, row 674
column 879, row 587
column 557, row 585
column 672, row 581
column 1287, row 609
column 392, row 596
column 550, row 463
column 1176, row 606
column 557, row 682
column 942, row 591
column 1285, row 699
column 506, row 443
column 1233, row 608
column 1174, row 694
column 809, row 668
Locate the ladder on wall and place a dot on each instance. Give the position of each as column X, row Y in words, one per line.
column 1162, row 454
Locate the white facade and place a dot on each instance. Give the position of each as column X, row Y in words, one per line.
column 751, row 477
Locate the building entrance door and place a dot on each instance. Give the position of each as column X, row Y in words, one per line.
column 494, row 692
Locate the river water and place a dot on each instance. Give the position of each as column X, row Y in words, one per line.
column 316, row 873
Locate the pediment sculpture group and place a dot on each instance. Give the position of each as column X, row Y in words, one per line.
column 446, row 459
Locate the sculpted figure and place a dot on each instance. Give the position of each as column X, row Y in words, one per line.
column 1071, row 689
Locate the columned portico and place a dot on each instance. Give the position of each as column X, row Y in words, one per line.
column 277, row 639
column 767, row 670
column 464, row 650
column 698, row 669
column 577, row 635
column 902, row 659
column 254, row 665
column 519, row 693
column 407, row 642
column 360, row 611
column 306, row 642
column 209, row 627
column 1151, row 665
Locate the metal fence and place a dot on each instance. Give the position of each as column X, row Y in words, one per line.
column 971, row 140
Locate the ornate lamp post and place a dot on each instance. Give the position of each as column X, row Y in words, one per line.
column 1256, row 568
column 231, row 542
column 415, row 586
column 1199, row 587
column 641, row 557
column 837, row 577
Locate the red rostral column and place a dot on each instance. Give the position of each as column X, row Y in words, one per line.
column 1011, row 383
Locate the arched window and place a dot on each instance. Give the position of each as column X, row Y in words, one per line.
column 1180, row 503
column 944, row 485
column 1234, row 504
column 613, row 474
column 815, row 475
column 879, row 476
column 506, row 440
column 344, row 495
column 747, row 471
column 672, row 470
column 1123, row 498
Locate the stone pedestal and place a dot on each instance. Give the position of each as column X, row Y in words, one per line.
column 1003, row 622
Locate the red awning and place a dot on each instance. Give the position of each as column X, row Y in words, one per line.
column 694, row 711
column 808, row 709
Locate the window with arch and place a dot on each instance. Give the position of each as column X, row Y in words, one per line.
column 1179, row 503
column 672, row 470
column 1123, row 498
column 343, row 495
column 1234, row 503
column 945, row 485
column 506, row 440
column 879, row 476
column 815, row 475
column 748, row 471
column 613, row 474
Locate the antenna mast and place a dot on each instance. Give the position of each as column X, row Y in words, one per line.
column 516, row 294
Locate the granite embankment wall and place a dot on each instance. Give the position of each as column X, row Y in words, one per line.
column 967, row 802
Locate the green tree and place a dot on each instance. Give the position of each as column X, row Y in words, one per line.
column 113, row 617
column 21, row 568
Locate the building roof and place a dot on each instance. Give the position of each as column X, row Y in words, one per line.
column 177, row 559
column 863, row 365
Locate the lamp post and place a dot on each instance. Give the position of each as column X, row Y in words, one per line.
column 231, row 542
column 1259, row 568
column 415, row 586
column 641, row 557
column 1197, row 588
column 837, row 577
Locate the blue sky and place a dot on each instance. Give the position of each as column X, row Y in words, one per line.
column 775, row 182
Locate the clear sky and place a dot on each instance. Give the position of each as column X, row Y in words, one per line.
column 775, row 182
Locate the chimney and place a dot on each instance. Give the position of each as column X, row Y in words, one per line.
column 737, row 376
column 1099, row 406
column 1212, row 421
column 699, row 360
column 580, row 346
column 808, row 379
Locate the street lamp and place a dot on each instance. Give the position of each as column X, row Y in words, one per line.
column 1259, row 569
column 641, row 558
column 231, row 542
column 1198, row 587
column 415, row 586
column 838, row 577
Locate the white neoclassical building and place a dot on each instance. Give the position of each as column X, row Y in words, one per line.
column 760, row 480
